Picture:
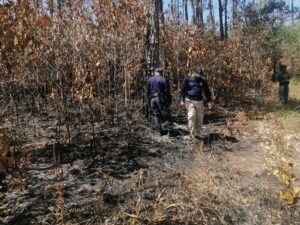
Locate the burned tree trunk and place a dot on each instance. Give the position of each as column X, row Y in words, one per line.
column 211, row 15
column 221, row 19
column 161, row 11
column 152, row 36
column 234, row 12
column 226, row 18
column 193, row 11
column 185, row 10
column 199, row 13
column 151, row 59
column 152, row 44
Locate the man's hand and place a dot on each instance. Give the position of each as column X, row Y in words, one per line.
column 182, row 103
column 210, row 105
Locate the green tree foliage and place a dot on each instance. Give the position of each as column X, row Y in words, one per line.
column 270, row 21
column 289, row 37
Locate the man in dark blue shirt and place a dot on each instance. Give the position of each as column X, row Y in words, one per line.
column 193, row 88
column 158, row 90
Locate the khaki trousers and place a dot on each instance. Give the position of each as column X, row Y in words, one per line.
column 195, row 115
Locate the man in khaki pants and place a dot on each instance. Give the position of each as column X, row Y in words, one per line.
column 192, row 97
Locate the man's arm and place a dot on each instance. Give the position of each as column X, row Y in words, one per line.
column 148, row 88
column 184, row 90
column 288, row 76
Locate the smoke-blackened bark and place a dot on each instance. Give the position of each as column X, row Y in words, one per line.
column 221, row 19
column 226, row 18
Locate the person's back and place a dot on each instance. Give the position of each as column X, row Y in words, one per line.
column 283, row 78
column 157, row 86
column 158, row 91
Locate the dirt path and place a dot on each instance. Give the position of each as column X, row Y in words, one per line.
column 243, row 177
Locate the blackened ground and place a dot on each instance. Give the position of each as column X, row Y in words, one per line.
column 108, row 174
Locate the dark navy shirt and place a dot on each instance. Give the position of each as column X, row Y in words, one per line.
column 193, row 88
column 157, row 84
column 160, row 85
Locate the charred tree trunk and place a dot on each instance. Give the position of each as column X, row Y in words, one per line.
column 185, row 10
column 151, row 46
column 226, row 18
column 211, row 14
column 152, row 36
column 175, row 11
column 155, row 42
column 199, row 13
column 234, row 12
column 193, row 11
column 178, row 11
column 200, row 7
column 221, row 19
column 161, row 10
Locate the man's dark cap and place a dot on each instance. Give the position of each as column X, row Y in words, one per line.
column 159, row 70
column 198, row 70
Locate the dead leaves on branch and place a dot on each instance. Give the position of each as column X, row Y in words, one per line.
column 44, row 21
column 109, row 42
column 226, row 63
column 112, row 41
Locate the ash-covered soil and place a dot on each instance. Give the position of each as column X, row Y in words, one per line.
column 128, row 174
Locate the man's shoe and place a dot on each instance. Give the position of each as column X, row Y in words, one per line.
column 158, row 132
column 3, row 187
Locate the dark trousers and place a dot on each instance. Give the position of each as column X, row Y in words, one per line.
column 160, row 112
column 283, row 91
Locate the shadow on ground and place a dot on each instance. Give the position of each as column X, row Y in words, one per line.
column 216, row 137
column 209, row 117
